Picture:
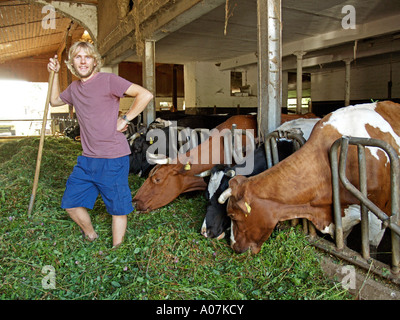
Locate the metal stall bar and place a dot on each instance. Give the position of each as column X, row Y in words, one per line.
column 271, row 148
column 364, row 211
column 339, row 171
column 272, row 156
column 337, row 214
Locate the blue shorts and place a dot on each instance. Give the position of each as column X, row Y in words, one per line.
column 94, row 176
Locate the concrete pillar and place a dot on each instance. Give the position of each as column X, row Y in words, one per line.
column 299, row 80
column 149, row 79
column 175, row 87
column 269, row 42
column 347, row 82
column 285, row 89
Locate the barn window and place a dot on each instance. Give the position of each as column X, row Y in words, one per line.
column 236, row 82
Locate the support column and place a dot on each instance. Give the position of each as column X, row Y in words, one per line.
column 149, row 79
column 269, row 65
column 285, row 89
column 299, row 80
column 174, row 88
column 347, row 82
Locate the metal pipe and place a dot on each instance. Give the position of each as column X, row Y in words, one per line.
column 299, row 81
column 347, row 82
column 364, row 211
column 149, row 79
column 337, row 211
column 274, row 147
column 393, row 221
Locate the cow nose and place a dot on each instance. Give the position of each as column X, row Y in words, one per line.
column 139, row 206
column 203, row 229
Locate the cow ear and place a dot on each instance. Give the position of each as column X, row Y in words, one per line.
column 245, row 207
column 235, row 181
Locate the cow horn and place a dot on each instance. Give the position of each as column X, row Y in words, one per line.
column 230, row 173
column 225, row 195
column 134, row 136
column 203, row 174
column 157, row 158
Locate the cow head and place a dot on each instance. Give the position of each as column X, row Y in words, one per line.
column 249, row 228
column 167, row 181
column 216, row 220
column 163, row 178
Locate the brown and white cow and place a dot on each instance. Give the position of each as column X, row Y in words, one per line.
column 300, row 185
column 167, row 181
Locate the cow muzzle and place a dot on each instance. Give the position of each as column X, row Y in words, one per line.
column 204, row 232
column 254, row 248
column 140, row 207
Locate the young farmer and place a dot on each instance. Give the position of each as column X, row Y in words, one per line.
column 104, row 165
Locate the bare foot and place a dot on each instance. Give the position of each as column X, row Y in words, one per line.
column 89, row 237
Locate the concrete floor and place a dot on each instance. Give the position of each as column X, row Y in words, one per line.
column 366, row 286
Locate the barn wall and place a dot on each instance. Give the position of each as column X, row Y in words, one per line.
column 32, row 70
column 206, row 86
column 367, row 82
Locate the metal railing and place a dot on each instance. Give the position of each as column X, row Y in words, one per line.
column 338, row 166
column 271, row 147
column 272, row 155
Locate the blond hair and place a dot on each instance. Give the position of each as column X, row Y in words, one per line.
column 89, row 49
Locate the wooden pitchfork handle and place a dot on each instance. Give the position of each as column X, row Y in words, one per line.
column 40, row 151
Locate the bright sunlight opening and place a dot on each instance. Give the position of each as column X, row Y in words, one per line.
column 22, row 107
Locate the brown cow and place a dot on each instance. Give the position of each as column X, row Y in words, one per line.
column 167, row 181
column 300, row 185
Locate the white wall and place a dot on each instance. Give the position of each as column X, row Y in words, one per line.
column 206, row 86
column 367, row 82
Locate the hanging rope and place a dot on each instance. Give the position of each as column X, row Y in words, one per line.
column 228, row 14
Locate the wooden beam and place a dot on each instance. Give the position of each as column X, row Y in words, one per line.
column 120, row 43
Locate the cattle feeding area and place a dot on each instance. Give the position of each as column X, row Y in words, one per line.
column 163, row 256
column 301, row 185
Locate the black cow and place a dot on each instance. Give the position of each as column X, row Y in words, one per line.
column 137, row 159
column 73, row 132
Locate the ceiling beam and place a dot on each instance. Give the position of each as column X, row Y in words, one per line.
column 84, row 14
column 330, row 39
column 157, row 28
column 371, row 29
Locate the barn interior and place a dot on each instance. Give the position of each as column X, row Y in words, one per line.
column 204, row 53
column 203, row 56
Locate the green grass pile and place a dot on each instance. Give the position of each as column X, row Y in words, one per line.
column 163, row 255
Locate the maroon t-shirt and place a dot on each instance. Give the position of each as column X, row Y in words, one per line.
column 96, row 103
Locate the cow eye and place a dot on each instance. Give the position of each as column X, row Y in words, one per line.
column 156, row 180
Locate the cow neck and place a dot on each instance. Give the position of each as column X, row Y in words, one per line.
column 287, row 182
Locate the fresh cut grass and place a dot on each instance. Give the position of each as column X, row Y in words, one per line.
column 43, row 256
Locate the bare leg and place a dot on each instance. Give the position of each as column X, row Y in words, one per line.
column 82, row 218
column 119, row 224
